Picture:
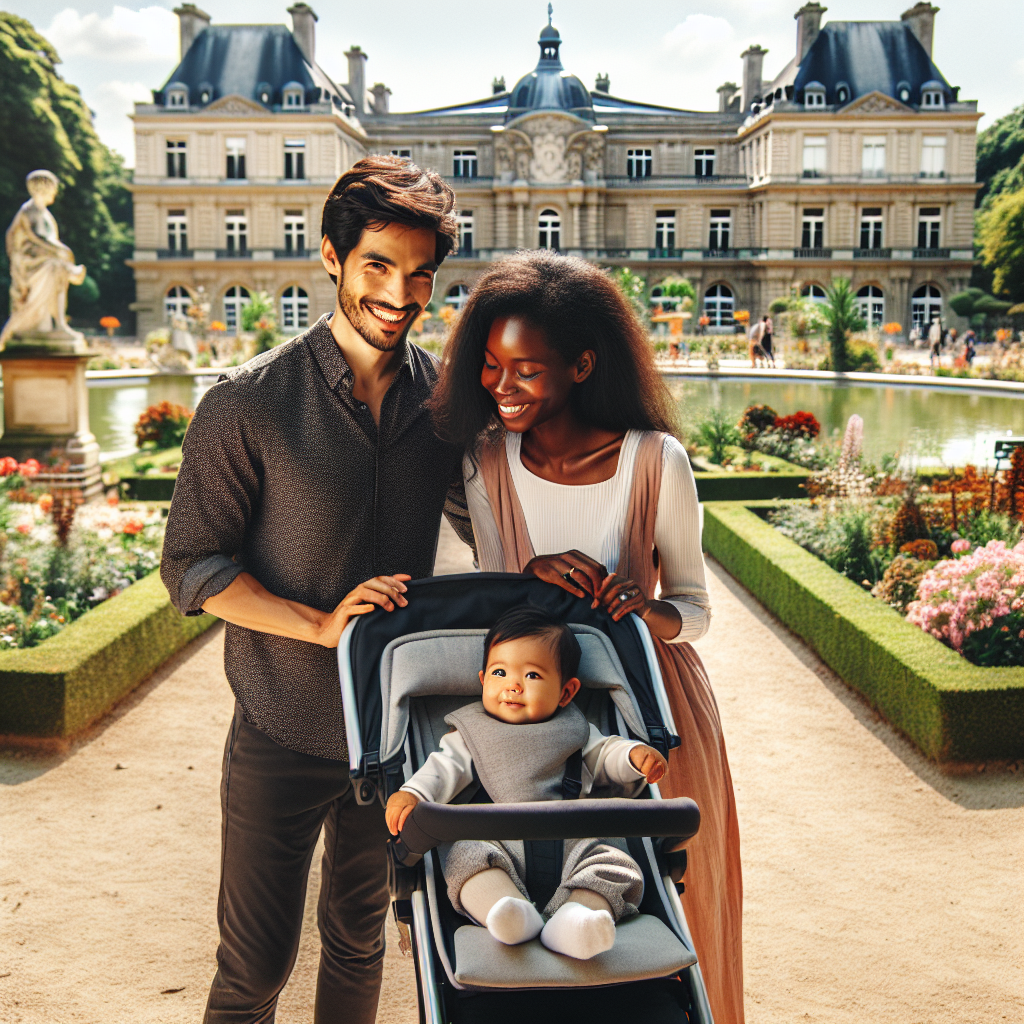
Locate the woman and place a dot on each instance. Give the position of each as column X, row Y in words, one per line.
column 549, row 381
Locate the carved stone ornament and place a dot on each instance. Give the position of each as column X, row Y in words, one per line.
column 234, row 105
column 876, row 103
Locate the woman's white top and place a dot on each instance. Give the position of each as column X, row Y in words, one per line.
column 591, row 518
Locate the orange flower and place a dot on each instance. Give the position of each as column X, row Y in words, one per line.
column 46, row 502
column 112, row 498
column 133, row 526
column 24, row 528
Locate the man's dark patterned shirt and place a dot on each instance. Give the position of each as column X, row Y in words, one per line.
column 286, row 476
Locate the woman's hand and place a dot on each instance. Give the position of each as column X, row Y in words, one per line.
column 619, row 596
column 399, row 808
column 572, row 571
column 648, row 762
column 381, row 592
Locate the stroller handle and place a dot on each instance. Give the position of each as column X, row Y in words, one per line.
column 430, row 824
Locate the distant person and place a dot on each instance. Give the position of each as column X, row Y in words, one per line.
column 754, row 338
column 766, row 340
column 935, row 341
column 970, row 346
column 915, row 337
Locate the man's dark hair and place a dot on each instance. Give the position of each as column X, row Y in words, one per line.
column 576, row 306
column 526, row 622
column 381, row 190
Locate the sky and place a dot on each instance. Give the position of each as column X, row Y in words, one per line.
column 674, row 53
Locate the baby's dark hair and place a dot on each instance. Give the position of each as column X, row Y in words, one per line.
column 525, row 622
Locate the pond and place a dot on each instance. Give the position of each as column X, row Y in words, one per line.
column 934, row 425
column 931, row 426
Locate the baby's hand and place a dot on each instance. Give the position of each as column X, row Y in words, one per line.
column 399, row 808
column 649, row 762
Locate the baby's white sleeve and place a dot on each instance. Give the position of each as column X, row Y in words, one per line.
column 607, row 760
column 445, row 773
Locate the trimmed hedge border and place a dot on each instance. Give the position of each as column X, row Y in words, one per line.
column 59, row 688
column 952, row 710
column 749, row 486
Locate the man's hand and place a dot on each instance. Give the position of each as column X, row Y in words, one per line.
column 399, row 808
column 649, row 762
column 381, row 592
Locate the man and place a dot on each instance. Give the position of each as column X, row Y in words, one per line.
column 754, row 337
column 311, row 489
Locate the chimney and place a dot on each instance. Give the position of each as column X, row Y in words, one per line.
column 304, row 21
column 381, row 98
column 921, row 19
column 498, row 86
column 191, row 21
column 726, row 93
column 753, row 61
column 808, row 25
column 357, row 79
column 602, row 84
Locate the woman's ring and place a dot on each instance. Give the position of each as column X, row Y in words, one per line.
column 568, row 575
column 627, row 594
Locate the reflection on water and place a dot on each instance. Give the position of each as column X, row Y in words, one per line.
column 934, row 426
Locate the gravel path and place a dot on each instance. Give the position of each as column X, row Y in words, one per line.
column 876, row 889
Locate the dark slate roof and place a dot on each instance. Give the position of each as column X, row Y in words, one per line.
column 242, row 60
column 868, row 56
column 549, row 86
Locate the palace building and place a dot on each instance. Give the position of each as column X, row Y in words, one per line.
column 857, row 161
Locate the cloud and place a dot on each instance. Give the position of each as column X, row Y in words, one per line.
column 148, row 34
column 700, row 36
column 112, row 102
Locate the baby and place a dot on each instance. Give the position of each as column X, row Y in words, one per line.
column 517, row 741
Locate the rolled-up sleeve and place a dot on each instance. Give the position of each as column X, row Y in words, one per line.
column 214, row 497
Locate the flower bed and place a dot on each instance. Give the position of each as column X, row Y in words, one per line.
column 952, row 710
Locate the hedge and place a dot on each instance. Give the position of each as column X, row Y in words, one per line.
column 57, row 689
column 952, row 710
column 749, row 486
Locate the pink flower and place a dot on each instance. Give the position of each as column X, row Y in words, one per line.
column 24, row 528
column 959, row 546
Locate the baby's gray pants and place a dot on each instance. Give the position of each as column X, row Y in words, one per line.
column 601, row 865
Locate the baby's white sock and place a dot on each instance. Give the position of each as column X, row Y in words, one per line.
column 513, row 920
column 578, row 931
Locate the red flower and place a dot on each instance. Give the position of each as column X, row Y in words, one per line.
column 46, row 502
column 24, row 528
column 133, row 526
column 801, row 422
column 29, row 468
column 8, row 466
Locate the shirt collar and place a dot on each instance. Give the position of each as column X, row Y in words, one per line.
column 333, row 364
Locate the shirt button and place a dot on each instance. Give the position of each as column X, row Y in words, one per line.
column 362, row 405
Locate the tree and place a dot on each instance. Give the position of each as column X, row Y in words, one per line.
column 1001, row 238
column 842, row 318
column 634, row 288
column 44, row 122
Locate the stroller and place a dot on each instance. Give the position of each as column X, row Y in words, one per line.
column 401, row 673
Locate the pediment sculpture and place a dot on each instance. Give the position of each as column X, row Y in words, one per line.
column 234, row 105
column 876, row 103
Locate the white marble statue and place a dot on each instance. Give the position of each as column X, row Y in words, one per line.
column 42, row 267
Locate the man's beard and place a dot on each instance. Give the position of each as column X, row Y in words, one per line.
column 365, row 326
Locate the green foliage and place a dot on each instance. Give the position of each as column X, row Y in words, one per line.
column 716, row 433
column 1000, row 157
column 1001, row 237
column 899, row 583
column 44, row 123
column 163, row 425
column 679, row 288
column 842, row 317
column 779, row 305
column 634, row 288
column 861, row 357
column 756, row 419
column 260, row 316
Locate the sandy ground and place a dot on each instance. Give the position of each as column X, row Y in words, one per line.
column 876, row 889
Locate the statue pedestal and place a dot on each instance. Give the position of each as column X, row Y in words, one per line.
column 46, row 412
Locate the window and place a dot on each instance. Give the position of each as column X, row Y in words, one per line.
column 236, row 227
column 664, row 229
column 843, row 93
column 814, row 156
column 929, row 227
column 177, row 231
column 925, row 306
column 293, row 95
column 718, row 305
column 294, row 231
column 814, row 95
column 871, row 305
column 464, row 222
column 639, row 163
column 872, row 163
column 456, row 297
column 294, row 159
column 465, row 163
column 234, row 299
column 294, row 307
column 933, row 156
column 177, row 95
column 549, row 230
column 236, row 158
column 720, row 231
column 903, row 92
column 704, row 163
column 814, row 292
column 813, row 233
column 177, row 166
column 402, row 154
column 871, row 227
column 176, row 302
column 932, row 97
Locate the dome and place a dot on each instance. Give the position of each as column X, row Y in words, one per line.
column 549, row 86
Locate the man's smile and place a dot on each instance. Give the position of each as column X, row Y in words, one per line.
column 387, row 314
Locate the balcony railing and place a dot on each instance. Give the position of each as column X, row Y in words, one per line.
column 234, row 254
column 664, row 254
column 872, row 254
column 931, row 254
column 720, row 254
column 174, row 254
column 812, row 254
column 678, row 180
column 295, row 254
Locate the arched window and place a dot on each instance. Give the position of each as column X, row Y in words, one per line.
column 457, row 295
column 925, row 306
column 549, row 230
column 842, row 93
column 294, row 307
column 871, row 304
column 234, row 299
column 814, row 292
column 176, row 301
column 718, row 305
